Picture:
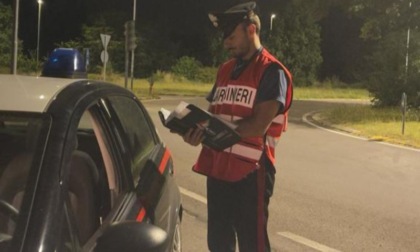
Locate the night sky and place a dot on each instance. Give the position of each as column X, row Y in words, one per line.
column 61, row 20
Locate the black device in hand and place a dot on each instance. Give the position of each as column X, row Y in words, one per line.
column 218, row 133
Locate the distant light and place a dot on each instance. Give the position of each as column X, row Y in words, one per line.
column 42, row 97
column 40, row 2
column 273, row 15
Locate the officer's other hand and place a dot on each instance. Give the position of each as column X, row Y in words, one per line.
column 194, row 136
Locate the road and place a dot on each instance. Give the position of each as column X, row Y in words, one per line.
column 333, row 192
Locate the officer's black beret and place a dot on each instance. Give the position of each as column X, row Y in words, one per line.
column 229, row 19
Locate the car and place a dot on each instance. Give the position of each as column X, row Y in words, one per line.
column 82, row 168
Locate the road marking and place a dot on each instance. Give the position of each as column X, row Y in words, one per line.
column 307, row 242
column 193, row 195
column 291, row 236
column 305, row 119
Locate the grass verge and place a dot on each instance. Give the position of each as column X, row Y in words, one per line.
column 377, row 124
column 330, row 93
column 363, row 120
column 141, row 87
column 169, row 86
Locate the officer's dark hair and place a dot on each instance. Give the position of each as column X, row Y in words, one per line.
column 253, row 19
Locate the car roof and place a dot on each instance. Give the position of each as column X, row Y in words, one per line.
column 29, row 93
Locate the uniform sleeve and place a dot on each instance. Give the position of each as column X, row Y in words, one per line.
column 273, row 86
column 210, row 95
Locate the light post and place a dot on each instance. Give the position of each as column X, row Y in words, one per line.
column 39, row 29
column 132, row 51
column 271, row 21
column 15, row 38
column 407, row 47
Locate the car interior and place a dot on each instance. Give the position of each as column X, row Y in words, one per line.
column 100, row 181
column 17, row 139
column 89, row 189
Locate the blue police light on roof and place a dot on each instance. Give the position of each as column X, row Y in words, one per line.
column 65, row 63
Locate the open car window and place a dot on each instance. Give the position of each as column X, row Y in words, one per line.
column 20, row 138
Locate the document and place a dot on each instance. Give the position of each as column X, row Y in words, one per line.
column 219, row 134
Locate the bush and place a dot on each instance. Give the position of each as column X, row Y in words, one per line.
column 206, row 74
column 331, row 82
column 166, row 77
column 187, row 67
column 28, row 65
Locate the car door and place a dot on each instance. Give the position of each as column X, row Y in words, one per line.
column 99, row 191
column 134, row 169
column 149, row 163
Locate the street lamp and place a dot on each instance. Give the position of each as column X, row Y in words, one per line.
column 271, row 21
column 39, row 28
column 408, row 47
column 15, row 38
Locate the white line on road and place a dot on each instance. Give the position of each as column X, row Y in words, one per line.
column 305, row 119
column 193, row 195
column 291, row 236
column 307, row 242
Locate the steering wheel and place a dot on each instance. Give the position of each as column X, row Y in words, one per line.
column 9, row 210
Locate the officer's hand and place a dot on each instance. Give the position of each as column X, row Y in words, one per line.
column 194, row 136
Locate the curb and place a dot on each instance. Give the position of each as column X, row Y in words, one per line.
column 309, row 118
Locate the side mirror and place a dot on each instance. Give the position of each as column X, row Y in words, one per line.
column 130, row 236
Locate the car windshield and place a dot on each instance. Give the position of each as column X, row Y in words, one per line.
column 19, row 139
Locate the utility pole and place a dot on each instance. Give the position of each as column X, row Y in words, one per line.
column 408, row 46
column 132, row 51
column 130, row 45
column 38, row 36
column 15, row 38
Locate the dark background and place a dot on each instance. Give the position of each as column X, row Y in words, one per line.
column 183, row 21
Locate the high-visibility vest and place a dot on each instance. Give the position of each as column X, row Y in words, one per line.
column 232, row 101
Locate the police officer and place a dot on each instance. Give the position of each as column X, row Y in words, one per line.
column 254, row 90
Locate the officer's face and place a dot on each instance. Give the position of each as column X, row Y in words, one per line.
column 238, row 43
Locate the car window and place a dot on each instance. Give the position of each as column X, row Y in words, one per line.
column 92, row 180
column 20, row 137
column 95, row 182
column 137, row 131
column 69, row 241
column 94, row 141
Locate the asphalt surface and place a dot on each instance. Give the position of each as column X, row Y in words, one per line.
column 333, row 192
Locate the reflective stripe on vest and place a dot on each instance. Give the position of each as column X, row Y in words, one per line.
column 274, row 132
column 233, row 100
column 272, row 141
column 279, row 119
column 229, row 118
column 244, row 151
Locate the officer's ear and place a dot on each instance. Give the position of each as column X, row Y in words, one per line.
column 252, row 29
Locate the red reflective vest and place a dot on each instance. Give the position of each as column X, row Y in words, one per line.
column 234, row 100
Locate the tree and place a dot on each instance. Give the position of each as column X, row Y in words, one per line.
column 219, row 55
column 25, row 64
column 295, row 40
column 6, row 28
column 155, row 51
column 91, row 38
column 388, row 73
column 343, row 50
